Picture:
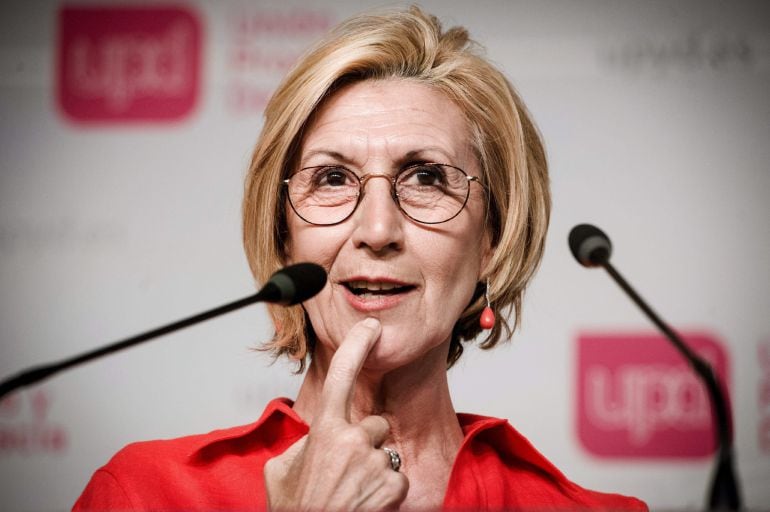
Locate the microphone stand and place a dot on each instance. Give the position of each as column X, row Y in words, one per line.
column 290, row 285
column 38, row 373
column 723, row 494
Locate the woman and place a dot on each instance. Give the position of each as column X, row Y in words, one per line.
column 405, row 164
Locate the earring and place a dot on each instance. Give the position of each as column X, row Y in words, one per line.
column 487, row 320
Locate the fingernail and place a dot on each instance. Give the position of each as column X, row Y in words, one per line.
column 372, row 323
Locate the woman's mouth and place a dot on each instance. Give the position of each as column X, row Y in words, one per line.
column 370, row 289
column 366, row 295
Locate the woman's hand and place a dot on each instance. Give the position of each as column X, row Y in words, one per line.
column 338, row 465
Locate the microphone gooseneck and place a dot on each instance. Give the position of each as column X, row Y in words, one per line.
column 592, row 248
column 289, row 286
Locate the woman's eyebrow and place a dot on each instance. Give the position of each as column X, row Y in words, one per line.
column 335, row 155
column 422, row 153
column 427, row 152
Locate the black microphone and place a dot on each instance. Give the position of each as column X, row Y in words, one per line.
column 293, row 284
column 589, row 245
column 289, row 286
column 592, row 248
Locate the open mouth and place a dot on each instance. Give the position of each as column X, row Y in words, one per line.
column 372, row 289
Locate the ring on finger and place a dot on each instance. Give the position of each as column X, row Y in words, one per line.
column 395, row 458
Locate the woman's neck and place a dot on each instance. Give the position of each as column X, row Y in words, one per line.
column 415, row 401
column 406, row 396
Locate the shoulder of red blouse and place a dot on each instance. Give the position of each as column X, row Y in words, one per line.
column 221, row 470
column 496, row 468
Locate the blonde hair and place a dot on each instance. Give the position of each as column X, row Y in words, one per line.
column 410, row 45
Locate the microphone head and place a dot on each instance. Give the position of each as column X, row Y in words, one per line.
column 589, row 245
column 294, row 284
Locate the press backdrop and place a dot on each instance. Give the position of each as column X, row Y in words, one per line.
column 125, row 132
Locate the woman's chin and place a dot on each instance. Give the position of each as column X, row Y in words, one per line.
column 392, row 352
column 380, row 361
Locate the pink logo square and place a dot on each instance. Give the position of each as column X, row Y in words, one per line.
column 126, row 64
column 638, row 397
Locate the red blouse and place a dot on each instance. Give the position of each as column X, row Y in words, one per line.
column 496, row 468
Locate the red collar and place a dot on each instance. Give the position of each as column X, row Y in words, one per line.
column 279, row 426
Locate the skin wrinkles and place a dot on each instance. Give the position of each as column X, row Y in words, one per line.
column 379, row 118
column 379, row 127
column 333, row 157
column 375, row 129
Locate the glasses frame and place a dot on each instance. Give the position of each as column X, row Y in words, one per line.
column 363, row 180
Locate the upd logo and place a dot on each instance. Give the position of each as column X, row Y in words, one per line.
column 118, row 64
column 638, row 397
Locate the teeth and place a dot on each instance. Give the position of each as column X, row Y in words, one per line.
column 373, row 287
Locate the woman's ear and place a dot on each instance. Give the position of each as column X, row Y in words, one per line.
column 487, row 251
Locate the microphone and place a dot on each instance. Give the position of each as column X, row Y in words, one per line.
column 592, row 248
column 289, row 286
column 293, row 284
column 589, row 245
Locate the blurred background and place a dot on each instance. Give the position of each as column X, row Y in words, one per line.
column 125, row 132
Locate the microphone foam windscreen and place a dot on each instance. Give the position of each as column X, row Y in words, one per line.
column 589, row 245
column 297, row 283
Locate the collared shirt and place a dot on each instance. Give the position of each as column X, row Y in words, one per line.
column 495, row 468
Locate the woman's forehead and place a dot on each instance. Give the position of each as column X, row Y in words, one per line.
column 393, row 119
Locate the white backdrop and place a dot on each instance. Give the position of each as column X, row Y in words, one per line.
column 656, row 117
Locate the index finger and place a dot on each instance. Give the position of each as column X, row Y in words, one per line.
column 344, row 367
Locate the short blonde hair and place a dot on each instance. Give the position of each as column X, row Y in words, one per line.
column 409, row 45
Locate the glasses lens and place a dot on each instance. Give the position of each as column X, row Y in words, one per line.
column 432, row 193
column 323, row 195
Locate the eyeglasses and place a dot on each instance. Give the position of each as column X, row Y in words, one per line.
column 428, row 193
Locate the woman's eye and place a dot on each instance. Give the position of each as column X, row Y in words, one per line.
column 332, row 177
column 425, row 175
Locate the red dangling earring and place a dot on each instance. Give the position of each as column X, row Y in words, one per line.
column 487, row 320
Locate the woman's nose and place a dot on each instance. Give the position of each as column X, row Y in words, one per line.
column 378, row 219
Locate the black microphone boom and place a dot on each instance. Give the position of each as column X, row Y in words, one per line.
column 592, row 248
column 289, row 286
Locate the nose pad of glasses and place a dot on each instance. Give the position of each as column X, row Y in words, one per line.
column 365, row 179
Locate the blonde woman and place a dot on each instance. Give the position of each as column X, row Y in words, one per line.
column 399, row 159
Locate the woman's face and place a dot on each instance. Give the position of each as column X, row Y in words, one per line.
column 419, row 277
